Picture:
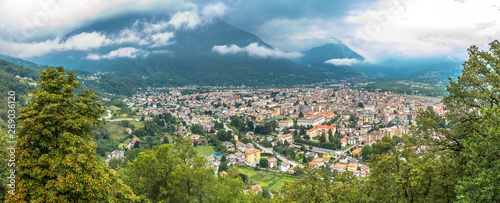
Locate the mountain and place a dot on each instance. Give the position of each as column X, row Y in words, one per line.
column 421, row 67
column 156, row 51
column 319, row 55
column 337, row 58
column 9, row 82
column 23, row 63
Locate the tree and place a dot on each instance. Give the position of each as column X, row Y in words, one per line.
column 330, row 135
column 314, row 187
column 322, row 138
column 263, row 163
column 176, row 173
column 56, row 156
column 400, row 174
column 265, row 193
column 466, row 132
column 481, row 182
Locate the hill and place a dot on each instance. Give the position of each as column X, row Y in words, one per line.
column 212, row 53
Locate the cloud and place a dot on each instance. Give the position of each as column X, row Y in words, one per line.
column 424, row 28
column 255, row 50
column 214, row 10
column 300, row 34
column 81, row 42
column 161, row 39
column 188, row 19
column 343, row 62
column 125, row 52
column 28, row 19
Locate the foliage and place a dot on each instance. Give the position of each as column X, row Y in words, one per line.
column 481, row 182
column 318, row 186
column 177, row 174
column 57, row 161
column 263, row 163
column 467, row 134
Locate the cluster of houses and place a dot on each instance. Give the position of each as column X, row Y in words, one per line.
column 369, row 110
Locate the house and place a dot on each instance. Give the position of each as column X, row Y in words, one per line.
column 343, row 141
column 286, row 137
column 339, row 168
column 352, row 167
column 194, row 137
column 232, row 157
column 241, row 146
column 272, row 162
column 357, row 151
column 285, row 123
column 128, row 130
column 285, row 166
column 292, row 169
column 115, row 154
column 249, row 146
column 311, row 155
column 253, row 155
column 239, row 156
column 313, row 132
column 132, row 142
column 255, row 188
column 343, row 159
column 229, row 146
column 351, row 140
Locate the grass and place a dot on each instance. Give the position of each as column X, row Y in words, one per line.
column 114, row 108
column 277, row 186
column 135, row 108
column 137, row 124
column 206, row 150
column 116, row 130
column 265, row 178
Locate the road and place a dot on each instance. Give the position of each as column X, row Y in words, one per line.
column 129, row 119
column 279, row 156
column 314, row 150
column 109, row 115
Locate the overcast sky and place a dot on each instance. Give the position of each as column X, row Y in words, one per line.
column 374, row 28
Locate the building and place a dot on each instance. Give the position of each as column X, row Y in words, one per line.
column 286, row 137
column 229, row 146
column 285, row 166
column 285, row 123
column 194, row 137
column 272, row 162
column 339, row 168
column 311, row 155
column 310, row 120
column 352, row 167
column 357, row 151
column 253, row 155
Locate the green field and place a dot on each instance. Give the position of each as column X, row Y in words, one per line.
column 205, row 150
column 274, row 181
column 137, row 124
column 277, row 186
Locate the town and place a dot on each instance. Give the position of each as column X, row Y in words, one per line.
column 281, row 129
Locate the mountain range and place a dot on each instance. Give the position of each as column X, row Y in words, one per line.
column 158, row 50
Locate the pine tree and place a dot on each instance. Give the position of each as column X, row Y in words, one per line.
column 57, row 160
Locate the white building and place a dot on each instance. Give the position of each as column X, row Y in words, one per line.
column 310, row 120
